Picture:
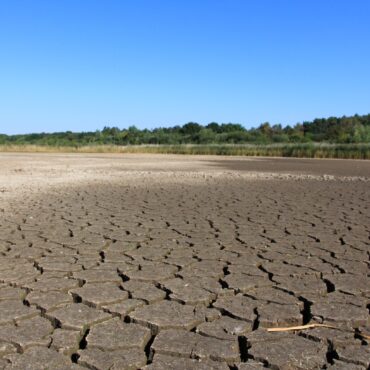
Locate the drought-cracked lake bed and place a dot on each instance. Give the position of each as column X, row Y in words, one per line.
column 180, row 262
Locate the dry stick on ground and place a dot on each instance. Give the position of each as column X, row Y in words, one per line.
column 310, row 326
column 301, row 327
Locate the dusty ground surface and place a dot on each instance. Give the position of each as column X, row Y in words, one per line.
column 170, row 262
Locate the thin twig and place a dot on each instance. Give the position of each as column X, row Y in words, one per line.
column 311, row 326
column 364, row 336
column 301, row 327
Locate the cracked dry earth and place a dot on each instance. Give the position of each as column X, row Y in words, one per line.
column 184, row 267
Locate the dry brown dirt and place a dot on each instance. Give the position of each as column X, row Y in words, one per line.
column 179, row 262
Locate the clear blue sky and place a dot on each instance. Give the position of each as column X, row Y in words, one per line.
column 82, row 64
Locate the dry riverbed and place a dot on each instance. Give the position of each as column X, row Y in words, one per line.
column 179, row 262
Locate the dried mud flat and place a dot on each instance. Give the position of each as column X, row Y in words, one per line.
column 171, row 262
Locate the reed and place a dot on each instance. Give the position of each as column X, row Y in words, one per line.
column 307, row 150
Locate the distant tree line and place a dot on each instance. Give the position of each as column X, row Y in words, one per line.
column 354, row 129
